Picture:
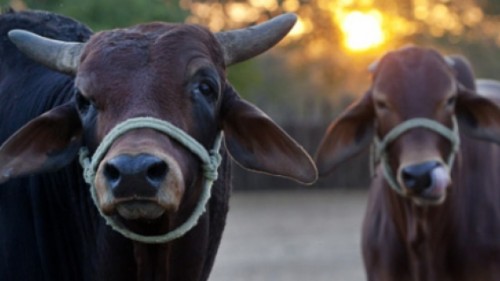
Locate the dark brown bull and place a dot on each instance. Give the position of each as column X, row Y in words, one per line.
column 147, row 180
column 439, row 219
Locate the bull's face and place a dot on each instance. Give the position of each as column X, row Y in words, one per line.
column 145, row 172
column 413, row 84
column 174, row 73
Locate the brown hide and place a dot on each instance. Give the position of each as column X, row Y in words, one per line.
column 415, row 238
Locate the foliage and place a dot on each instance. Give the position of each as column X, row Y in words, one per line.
column 314, row 62
column 107, row 14
column 99, row 14
column 318, row 47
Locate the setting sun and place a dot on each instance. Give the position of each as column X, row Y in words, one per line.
column 362, row 30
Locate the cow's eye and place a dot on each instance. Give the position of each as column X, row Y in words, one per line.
column 381, row 105
column 208, row 89
column 451, row 101
column 82, row 103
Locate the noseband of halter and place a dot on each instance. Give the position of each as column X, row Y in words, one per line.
column 380, row 146
column 211, row 161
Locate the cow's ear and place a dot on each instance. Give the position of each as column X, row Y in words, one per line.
column 347, row 136
column 464, row 72
column 46, row 143
column 256, row 143
column 478, row 116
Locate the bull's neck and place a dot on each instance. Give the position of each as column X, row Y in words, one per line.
column 177, row 259
column 424, row 231
column 152, row 261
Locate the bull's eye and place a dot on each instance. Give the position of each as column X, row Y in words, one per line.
column 208, row 89
column 381, row 105
column 82, row 103
column 451, row 101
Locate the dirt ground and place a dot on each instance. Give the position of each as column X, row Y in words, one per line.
column 306, row 235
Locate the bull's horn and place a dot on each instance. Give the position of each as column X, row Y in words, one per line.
column 242, row 44
column 57, row 55
column 449, row 61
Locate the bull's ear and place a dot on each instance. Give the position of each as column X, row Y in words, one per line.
column 347, row 136
column 478, row 116
column 463, row 70
column 46, row 143
column 256, row 143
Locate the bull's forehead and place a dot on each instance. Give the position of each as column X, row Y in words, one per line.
column 148, row 52
column 413, row 78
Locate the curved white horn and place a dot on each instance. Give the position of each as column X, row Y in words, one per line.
column 242, row 44
column 57, row 55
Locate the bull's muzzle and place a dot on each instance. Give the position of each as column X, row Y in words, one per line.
column 139, row 186
column 426, row 182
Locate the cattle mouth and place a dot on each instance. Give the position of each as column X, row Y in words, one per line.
column 429, row 199
column 141, row 209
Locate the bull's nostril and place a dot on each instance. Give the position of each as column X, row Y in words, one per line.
column 409, row 180
column 416, row 181
column 112, row 174
column 157, row 172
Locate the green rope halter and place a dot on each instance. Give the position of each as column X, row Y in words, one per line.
column 380, row 147
column 211, row 161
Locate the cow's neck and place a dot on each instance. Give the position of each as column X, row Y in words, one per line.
column 152, row 261
column 418, row 239
column 170, row 261
column 180, row 259
column 423, row 230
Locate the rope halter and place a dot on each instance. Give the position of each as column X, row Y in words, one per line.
column 380, row 146
column 211, row 161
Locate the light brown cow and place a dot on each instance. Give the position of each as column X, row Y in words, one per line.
column 433, row 211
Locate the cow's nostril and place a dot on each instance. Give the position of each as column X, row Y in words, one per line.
column 157, row 171
column 413, row 181
column 112, row 174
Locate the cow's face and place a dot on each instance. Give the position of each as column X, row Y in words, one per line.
column 407, row 84
column 174, row 73
column 170, row 72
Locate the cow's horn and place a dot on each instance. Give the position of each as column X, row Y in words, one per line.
column 242, row 44
column 449, row 61
column 57, row 55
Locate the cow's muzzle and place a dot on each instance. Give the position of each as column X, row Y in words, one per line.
column 426, row 179
column 142, row 186
column 122, row 172
column 426, row 182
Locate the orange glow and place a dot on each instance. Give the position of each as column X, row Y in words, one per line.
column 362, row 30
column 299, row 28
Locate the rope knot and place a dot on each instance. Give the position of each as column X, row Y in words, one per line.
column 88, row 173
column 210, row 168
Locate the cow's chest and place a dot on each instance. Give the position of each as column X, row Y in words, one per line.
column 399, row 247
